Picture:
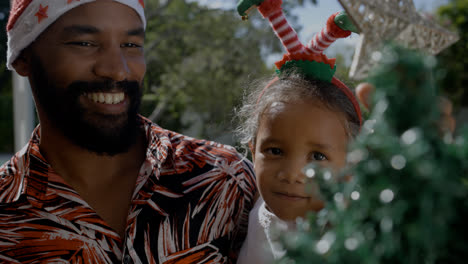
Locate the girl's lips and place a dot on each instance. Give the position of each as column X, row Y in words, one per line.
column 290, row 196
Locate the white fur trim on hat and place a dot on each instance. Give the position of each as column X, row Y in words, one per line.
column 26, row 28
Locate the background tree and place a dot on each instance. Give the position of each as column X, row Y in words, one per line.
column 455, row 59
column 199, row 59
column 6, row 105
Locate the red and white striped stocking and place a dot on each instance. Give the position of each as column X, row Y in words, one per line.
column 285, row 32
column 271, row 9
column 327, row 36
column 321, row 41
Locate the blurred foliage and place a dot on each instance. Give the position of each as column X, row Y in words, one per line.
column 6, row 123
column 6, row 105
column 454, row 15
column 342, row 70
column 406, row 202
column 5, row 76
column 198, row 61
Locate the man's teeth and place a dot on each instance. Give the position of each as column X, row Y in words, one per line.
column 106, row 98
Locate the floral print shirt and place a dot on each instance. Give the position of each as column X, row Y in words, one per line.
column 190, row 205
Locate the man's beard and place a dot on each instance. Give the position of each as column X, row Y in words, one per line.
column 104, row 134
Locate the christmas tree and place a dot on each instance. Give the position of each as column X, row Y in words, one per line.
column 406, row 200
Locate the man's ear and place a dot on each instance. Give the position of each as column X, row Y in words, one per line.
column 22, row 63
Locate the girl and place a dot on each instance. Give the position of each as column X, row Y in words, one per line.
column 296, row 121
column 305, row 115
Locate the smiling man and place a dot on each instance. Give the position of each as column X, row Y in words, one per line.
column 98, row 183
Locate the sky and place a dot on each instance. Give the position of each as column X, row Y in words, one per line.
column 312, row 18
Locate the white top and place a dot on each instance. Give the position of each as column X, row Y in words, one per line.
column 261, row 244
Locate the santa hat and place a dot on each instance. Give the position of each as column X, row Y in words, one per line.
column 29, row 18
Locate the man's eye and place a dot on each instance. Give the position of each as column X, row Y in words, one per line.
column 80, row 43
column 274, row 151
column 318, row 156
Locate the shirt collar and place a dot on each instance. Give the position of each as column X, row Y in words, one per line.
column 159, row 143
column 15, row 174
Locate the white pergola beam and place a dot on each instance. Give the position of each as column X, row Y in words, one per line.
column 23, row 111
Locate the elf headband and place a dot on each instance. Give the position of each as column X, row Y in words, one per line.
column 308, row 60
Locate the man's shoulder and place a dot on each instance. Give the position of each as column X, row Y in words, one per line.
column 183, row 150
column 186, row 146
column 183, row 145
column 8, row 169
column 207, row 147
column 10, row 179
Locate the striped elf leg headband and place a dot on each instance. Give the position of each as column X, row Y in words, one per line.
column 309, row 59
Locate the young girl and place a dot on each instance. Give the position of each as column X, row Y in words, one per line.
column 305, row 115
column 296, row 121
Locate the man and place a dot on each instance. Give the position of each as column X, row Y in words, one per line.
column 98, row 183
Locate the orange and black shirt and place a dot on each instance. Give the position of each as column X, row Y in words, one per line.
column 190, row 205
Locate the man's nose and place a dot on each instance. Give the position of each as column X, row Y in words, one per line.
column 112, row 64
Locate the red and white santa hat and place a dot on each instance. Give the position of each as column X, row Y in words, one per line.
column 29, row 18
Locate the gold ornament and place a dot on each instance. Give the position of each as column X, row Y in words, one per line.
column 398, row 21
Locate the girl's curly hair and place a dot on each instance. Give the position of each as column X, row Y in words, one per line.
column 290, row 87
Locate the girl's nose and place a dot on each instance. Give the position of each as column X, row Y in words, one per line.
column 292, row 173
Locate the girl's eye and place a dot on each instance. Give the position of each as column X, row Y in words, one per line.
column 274, row 151
column 318, row 156
column 131, row 45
